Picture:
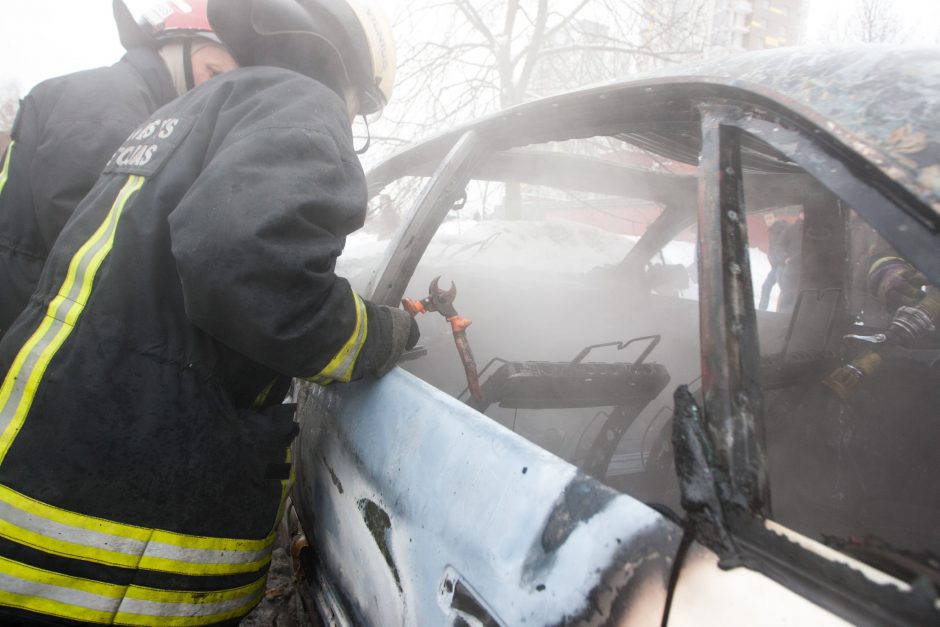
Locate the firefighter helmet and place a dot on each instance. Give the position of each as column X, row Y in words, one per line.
column 151, row 22
column 350, row 40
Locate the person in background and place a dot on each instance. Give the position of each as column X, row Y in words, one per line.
column 777, row 255
column 144, row 448
column 68, row 127
column 784, row 246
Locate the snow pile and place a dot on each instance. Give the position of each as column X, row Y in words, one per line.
column 361, row 257
column 549, row 246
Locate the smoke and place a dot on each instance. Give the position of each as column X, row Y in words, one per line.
column 584, row 268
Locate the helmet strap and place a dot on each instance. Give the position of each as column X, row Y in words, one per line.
column 362, row 150
column 188, row 63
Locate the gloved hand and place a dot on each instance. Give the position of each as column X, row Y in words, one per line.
column 895, row 283
column 391, row 333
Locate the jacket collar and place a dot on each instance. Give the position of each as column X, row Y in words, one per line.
column 147, row 63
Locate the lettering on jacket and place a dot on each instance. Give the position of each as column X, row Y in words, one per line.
column 149, row 146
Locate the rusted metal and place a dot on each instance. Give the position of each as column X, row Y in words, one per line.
column 730, row 354
column 411, row 450
column 852, row 94
column 864, row 188
column 442, row 301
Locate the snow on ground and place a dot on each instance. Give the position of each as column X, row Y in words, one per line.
column 551, row 246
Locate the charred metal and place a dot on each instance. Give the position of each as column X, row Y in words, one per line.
column 500, row 546
column 379, row 524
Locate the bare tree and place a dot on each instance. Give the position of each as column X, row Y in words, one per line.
column 491, row 54
column 877, row 21
column 869, row 22
column 466, row 58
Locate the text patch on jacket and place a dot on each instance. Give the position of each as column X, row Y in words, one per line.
column 149, row 146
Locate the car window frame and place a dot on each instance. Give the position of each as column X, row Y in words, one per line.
column 730, row 118
column 743, row 531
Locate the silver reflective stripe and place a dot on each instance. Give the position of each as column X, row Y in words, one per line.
column 68, row 533
column 127, row 546
column 153, row 608
column 34, row 589
column 60, row 532
column 69, row 596
column 204, row 556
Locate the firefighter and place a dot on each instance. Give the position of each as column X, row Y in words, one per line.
column 68, row 127
column 144, row 452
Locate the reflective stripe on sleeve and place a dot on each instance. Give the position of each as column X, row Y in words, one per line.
column 74, row 598
column 5, row 169
column 341, row 366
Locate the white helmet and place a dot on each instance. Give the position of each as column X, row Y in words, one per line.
column 352, row 39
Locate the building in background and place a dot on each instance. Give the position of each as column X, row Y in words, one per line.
column 738, row 25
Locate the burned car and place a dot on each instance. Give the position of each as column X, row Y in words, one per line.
column 701, row 381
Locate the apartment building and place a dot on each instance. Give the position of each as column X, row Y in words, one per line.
column 737, row 25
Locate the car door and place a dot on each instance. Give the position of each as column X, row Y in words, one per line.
column 810, row 446
column 424, row 510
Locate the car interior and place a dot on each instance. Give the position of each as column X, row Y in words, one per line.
column 576, row 262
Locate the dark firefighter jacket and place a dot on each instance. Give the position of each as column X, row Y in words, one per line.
column 66, row 131
column 139, row 483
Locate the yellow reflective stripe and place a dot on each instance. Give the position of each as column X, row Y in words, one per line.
column 60, row 532
column 64, row 596
column 5, row 171
column 263, row 395
column 21, row 382
column 341, row 366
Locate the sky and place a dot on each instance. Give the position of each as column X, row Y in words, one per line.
column 44, row 38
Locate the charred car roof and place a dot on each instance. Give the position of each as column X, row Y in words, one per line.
column 881, row 102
